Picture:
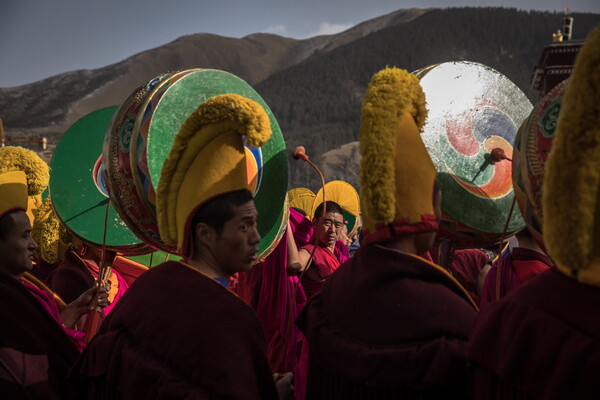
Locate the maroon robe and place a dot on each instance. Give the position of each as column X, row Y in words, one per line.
column 35, row 353
column 388, row 324
column 176, row 334
column 542, row 341
column 71, row 278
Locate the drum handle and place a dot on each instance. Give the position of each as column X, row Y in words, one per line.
column 499, row 266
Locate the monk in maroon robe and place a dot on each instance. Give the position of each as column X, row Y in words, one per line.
column 36, row 352
column 179, row 332
column 388, row 324
column 542, row 340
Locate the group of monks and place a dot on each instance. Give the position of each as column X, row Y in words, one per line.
column 311, row 320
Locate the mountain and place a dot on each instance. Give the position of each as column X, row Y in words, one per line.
column 314, row 86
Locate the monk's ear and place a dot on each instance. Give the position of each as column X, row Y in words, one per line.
column 205, row 234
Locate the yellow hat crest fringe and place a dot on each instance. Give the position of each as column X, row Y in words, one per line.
column 49, row 233
column 216, row 117
column 571, row 201
column 391, row 93
column 14, row 158
column 393, row 112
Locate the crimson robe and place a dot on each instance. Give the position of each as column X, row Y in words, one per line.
column 277, row 299
column 465, row 266
column 541, row 341
column 176, row 334
column 517, row 267
column 33, row 346
column 388, row 323
column 324, row 262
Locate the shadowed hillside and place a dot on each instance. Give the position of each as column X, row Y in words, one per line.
column 318, row 101
column 314, row 86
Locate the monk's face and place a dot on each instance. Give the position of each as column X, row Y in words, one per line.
column 235, row 249
column 17, row 248
column 328, row 228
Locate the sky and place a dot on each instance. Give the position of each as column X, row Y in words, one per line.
column 42, row 38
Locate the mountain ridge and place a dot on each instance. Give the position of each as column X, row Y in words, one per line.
column 314, row 86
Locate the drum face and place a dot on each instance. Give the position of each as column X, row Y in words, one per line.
column 141, row 139
column 79, row 189
column 473, row 110
column 532, row 146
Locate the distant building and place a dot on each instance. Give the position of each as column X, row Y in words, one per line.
column 557, row 60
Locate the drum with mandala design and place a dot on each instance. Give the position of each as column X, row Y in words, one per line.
column 474, row 112
column 532, row 146
column 138, row 143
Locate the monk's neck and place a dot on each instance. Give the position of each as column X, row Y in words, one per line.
column 331, row 247
column 208, row 266
column 403, row 244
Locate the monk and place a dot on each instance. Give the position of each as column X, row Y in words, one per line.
column 388, row 324
column 322, row 258
column 542, row 340
column 37, row 341
column 78, row 271
column 179, row 332
column 518, row 266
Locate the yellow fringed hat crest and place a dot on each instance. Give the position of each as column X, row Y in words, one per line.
column 571, row 202
column 397, row 175
column 37, row 172
column 207, row 159
column 50, row 234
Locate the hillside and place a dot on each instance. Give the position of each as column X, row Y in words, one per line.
column 314, row 86
column 318, row 101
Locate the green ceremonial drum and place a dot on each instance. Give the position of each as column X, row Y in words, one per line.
column 78, row 187
column 532, row 146
column 143, row 132
column 473, row 109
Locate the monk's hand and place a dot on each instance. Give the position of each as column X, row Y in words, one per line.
column 103, row 296
column 76, row 309
column 285, row 389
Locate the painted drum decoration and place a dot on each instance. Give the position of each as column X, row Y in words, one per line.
column 474, row 112
column 532, row 146
column 129, row 192
column 148, row 130
column 346, row 196
column 79, row 189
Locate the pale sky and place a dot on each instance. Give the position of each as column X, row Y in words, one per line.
column 42, row 38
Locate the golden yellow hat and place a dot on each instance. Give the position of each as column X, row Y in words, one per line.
column 571, row 202
column 207, row 159
column 49, row 233
column 397, row 175
column 15, row 158
column 13, row 191
column 302, row 198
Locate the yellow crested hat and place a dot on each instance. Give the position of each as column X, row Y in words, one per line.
column 571, row 198
column 50, row 234
column 13, row 192
column 397, row 175
column 302, row 198
column 15, row 158
column 207, row 159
